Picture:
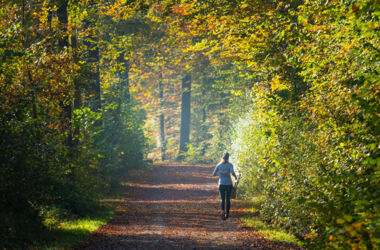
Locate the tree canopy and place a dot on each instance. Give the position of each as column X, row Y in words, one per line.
column 89, row 89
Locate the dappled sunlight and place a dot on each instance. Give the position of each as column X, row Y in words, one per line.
column 175, row 207
column 171, row 201
column 174, row 186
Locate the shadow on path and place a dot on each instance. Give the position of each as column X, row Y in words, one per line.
column 174, row 206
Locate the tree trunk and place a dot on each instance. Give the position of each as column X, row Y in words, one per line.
column 25, row 45
column 92, row 58
column 63, row 21
column 124, row 78
column 185, row 114
column 77, row 91
column 204, row 130
column 162, row 119
column 63, row 43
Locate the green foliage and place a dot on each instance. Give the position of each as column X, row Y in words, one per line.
column 69, row 231
column 291, row 87
column 58, row 149
column 309, row 188
column 309, row 142
column 192, row 155
column 252, row 219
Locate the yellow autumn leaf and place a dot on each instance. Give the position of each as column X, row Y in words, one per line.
column 244, row 5
column 348, row 217
column 340, row 221
column 277, row 84
column 357, row 225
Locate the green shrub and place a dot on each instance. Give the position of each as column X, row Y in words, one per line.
column 310, row 186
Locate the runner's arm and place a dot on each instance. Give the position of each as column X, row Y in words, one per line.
column 215, row 171
column 232, row 171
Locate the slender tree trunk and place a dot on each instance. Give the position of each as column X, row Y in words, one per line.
column 204, row 130
column 203, row 115
column 96, row 83
column 127, row 95
column 123, row 88
column 77, row 105
column 185, row 114
column 124, row 78
column 92, row 58
column 64, row 43
column 162, row 118
column 25, row 45
column 63, row 20
column 77, row 91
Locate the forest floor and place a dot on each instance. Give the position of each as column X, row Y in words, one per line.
column 175, row 206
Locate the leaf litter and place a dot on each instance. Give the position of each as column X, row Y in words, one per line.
column 175, row 206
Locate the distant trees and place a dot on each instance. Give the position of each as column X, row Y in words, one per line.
column 173, row 53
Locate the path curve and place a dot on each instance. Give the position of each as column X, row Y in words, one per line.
column 175, row 206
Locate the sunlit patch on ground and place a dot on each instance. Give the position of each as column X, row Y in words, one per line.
column 172, row 186
column 175, row 207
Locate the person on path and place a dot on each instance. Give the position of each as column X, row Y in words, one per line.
column 224, row 170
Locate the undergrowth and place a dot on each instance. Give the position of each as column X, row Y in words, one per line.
column 251, row 219
column 64, row 232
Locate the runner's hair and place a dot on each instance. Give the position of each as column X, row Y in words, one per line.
column 225, row 158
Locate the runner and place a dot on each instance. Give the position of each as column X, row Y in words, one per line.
column 224, row 170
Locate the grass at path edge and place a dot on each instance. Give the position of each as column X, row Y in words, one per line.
column 251, row 219
column 64, row 233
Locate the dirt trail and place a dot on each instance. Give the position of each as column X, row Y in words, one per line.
column 175, row 206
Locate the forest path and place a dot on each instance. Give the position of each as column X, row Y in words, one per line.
column 175, row 206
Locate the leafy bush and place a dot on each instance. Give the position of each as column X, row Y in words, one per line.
column 39, row 172
column 309, row 187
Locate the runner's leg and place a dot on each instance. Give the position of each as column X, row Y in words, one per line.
column 222, row 192
column 228, row 198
